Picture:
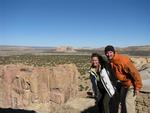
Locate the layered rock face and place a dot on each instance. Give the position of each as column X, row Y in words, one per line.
column 21, row 86
column 143, row 100
column 143, row 65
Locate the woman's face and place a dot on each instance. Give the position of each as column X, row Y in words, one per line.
column 95, row 61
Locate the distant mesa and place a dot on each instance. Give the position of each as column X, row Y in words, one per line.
column 65, row 49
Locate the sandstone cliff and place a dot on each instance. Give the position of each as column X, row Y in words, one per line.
column 28, row 87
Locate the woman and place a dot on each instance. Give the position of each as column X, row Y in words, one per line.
column 103, row 82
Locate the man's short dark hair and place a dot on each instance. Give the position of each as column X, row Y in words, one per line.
column 109, row 48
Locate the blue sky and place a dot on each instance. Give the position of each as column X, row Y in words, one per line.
column 78, row 23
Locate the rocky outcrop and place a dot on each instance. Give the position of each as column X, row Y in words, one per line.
column 139, row 61
column 143, row 100
column 143, row 103
column 65, row 49
column 143, row 65
column 24, row 86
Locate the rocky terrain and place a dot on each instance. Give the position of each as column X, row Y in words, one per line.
column 26, row 87
column 29, row 89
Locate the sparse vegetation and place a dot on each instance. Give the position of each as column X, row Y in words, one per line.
column 81, row 61
column 81, row 88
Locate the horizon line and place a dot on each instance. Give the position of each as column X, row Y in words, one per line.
column 71, row 46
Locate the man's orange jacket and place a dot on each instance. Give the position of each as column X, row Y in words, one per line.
column 126, row 72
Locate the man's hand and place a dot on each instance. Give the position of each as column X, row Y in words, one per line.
column 136, row 92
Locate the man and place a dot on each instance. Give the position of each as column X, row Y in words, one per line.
column 129, row 77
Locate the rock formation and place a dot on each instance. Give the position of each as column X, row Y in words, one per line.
column 143, row 100
column 24, row 86
column 45, row 89
column 65, row 49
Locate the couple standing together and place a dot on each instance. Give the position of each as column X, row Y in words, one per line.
column 117, row 79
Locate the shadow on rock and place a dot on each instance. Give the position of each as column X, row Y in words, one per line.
column 93, row 109
column 9, row 110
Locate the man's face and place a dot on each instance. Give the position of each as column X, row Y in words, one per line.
column 110, row 55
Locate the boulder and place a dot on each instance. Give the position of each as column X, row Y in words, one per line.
column 139, row 61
